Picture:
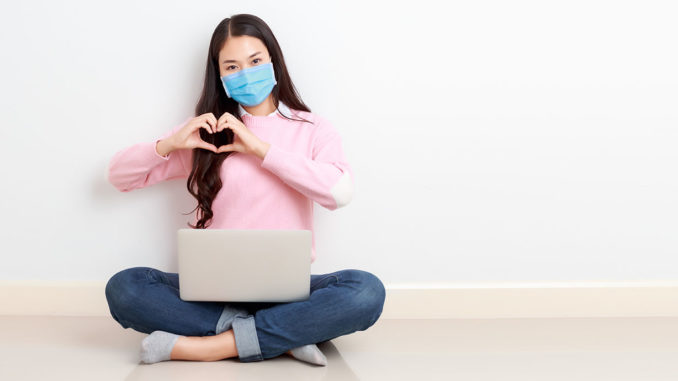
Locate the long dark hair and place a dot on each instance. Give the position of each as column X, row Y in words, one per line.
column 204, row 181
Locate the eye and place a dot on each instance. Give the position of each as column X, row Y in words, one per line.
column 228, row 67
column 256, row 59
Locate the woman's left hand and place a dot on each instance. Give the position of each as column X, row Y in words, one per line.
column 243, row 139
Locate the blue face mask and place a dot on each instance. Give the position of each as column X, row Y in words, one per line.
column 250, row 86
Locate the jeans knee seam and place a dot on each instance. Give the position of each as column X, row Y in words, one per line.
column 317, row 282
column 148, row 275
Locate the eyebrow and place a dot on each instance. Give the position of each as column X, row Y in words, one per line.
column 248, row 57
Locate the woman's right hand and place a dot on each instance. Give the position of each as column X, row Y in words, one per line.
column 188, row 137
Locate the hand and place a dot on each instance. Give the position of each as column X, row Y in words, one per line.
column 188, row 136
column 243, row 139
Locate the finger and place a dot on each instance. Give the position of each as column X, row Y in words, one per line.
column 205, row 126
column 212, row 118
column 201, row 118
column 214, row 121
column 206, row 120
column 233, row 120
column 207, row 146
column 222, row 125
column 231, row 117
column 210, row 123
column 222, row 119
column 226, row 148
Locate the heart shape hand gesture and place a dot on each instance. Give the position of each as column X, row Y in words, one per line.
column 243, row 139
column 188, row 137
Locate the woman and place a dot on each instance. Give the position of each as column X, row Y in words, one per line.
column 255, row 157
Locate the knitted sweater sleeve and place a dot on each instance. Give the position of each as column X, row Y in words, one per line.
column 326, row 177
column 140, row 165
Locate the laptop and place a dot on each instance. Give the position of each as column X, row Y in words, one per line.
column 244, row 265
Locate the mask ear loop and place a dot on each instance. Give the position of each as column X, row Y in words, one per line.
column 225, row 87
column 275, row 80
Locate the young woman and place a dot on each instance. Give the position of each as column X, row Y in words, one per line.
column 255, row 157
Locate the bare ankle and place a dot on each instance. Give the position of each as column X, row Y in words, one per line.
column 205, row 348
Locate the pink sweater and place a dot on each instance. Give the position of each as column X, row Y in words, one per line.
column 305, row 163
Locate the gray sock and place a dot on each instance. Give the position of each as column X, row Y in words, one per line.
column 157, row 346
column 309, row 353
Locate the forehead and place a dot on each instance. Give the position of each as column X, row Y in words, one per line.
column 241, row 47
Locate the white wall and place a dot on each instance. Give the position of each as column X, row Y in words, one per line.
column 490, row 140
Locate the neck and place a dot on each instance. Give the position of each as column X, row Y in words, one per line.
column 262, row 109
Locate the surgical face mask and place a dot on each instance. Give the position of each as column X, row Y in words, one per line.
column 250, row 86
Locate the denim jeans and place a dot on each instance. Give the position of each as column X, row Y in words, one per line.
column 146, row 299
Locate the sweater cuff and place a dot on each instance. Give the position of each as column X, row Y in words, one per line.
column 272, row 157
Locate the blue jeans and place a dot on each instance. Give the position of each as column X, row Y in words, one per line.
column 342, row 302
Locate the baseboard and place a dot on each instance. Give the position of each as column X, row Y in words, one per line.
column 407, row 301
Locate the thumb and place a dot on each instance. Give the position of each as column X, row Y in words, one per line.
column 227, row 147
column 207, row 146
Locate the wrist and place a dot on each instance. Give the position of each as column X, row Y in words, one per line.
column 164, row 147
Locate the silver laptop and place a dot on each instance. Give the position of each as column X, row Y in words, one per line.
column 244, row 265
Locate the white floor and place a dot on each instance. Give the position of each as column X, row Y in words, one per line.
column 572, row 349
